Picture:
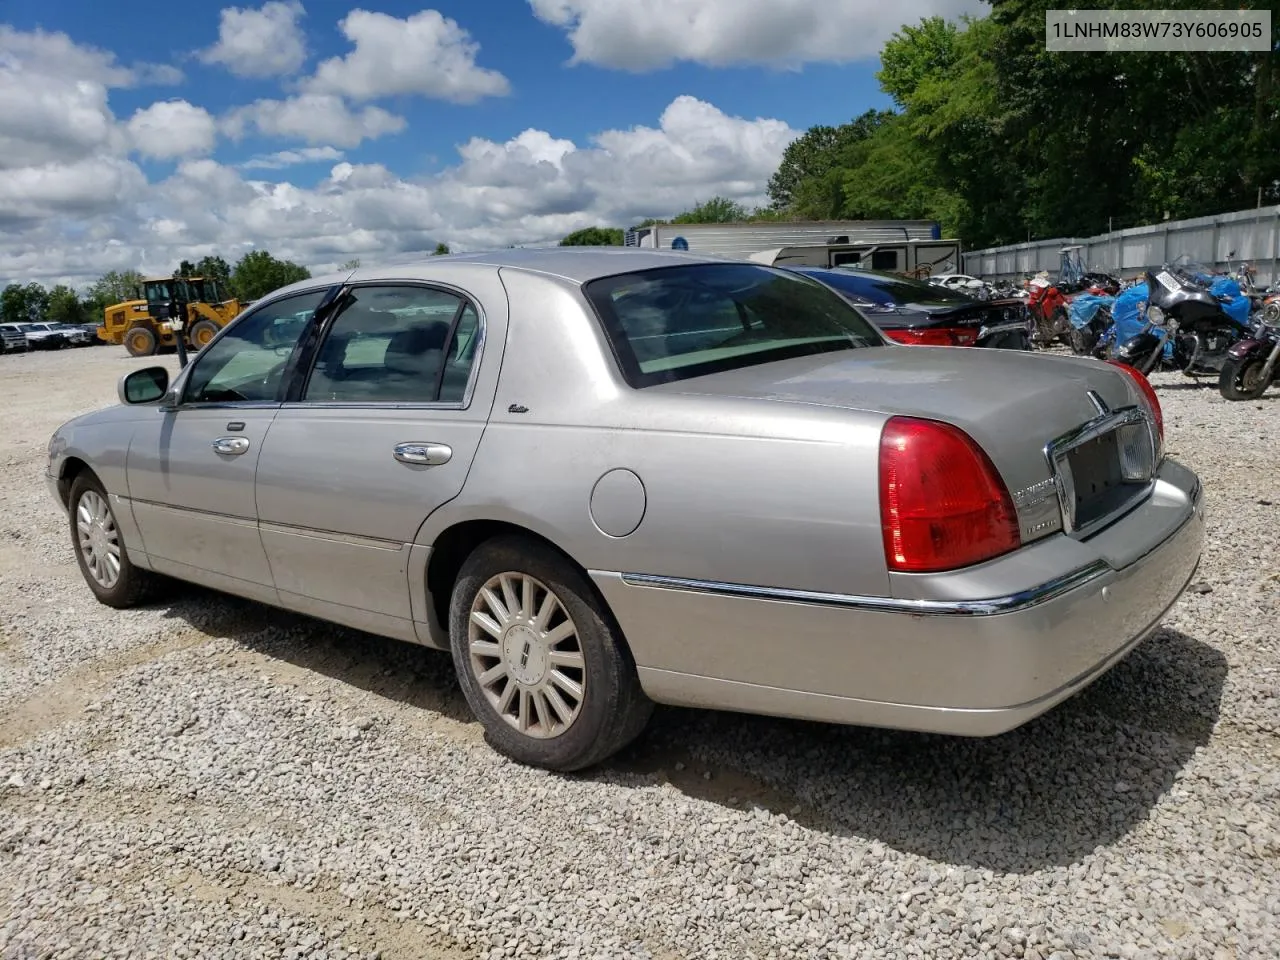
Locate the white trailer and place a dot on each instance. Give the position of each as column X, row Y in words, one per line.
column 900, row 246
column 913, row 258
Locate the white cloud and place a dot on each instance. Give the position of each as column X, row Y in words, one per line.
column 289, row 158
column 533, row 188
column 426, row 54
column 56, row 54
column 90, row 187
column 172, row 128
column 266, row 42
column 313, row 118
column 649, row 34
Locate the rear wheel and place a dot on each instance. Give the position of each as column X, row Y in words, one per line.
column 140, row 342
column 1242, row 379
column 1081, row 340
column 202, row 331
column 542, row 665
column 100, row 548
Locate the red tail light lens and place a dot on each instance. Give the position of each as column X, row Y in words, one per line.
column 942, row 503
column 935, row 336
column 1148, row 392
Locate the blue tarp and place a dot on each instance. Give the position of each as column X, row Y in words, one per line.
column 1234, row 303
column 1127, row 316
column 1085, row 306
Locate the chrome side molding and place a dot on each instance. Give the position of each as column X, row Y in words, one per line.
column 1038, row 594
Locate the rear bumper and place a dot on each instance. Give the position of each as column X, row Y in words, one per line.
column 973, row 667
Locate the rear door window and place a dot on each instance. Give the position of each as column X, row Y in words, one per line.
column 396, row 344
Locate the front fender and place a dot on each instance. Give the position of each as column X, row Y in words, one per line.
column 1137, row 347
column 1242, row 348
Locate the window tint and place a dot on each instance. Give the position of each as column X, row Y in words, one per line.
column 462, row 353
column 679, row 322
column 247, row 362
column 396, row 344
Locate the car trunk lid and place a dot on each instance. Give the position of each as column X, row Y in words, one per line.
column 1013, row 404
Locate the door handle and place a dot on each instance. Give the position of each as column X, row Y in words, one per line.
column 230, row 446
column 430, row 454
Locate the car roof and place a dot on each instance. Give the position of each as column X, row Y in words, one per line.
column 577, row 265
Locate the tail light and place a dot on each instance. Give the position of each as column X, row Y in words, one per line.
column 943, row 505
column 935, row 336
column 1148, row 393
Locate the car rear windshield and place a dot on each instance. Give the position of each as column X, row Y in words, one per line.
column 679, row 322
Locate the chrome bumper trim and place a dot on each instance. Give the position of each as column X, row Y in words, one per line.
column 1041, row 593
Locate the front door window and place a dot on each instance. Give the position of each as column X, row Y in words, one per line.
column 248, row 361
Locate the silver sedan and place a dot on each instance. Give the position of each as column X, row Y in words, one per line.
column 608, row 478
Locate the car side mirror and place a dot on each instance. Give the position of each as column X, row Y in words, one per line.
column 143, row 386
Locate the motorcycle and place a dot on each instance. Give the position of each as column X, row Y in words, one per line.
column 1047, row 305
column 1251, row 363
column 1191, row 319
column 1090, row 316
column 1270, row 307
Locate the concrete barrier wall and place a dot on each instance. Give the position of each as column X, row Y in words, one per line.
column 1254, row 235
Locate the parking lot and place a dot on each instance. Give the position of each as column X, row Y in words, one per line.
column 212, row 777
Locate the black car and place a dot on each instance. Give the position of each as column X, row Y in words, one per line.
column 926, row 314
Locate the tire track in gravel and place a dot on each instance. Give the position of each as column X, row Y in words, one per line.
column 321, row 904
column 54, row 704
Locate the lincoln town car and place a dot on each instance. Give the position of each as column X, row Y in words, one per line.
column 603, row 479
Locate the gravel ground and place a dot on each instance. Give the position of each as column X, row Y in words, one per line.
column 209, row 777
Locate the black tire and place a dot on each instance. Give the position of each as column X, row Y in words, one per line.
column 1242, row 379
column 1061, row 327
column 613, row 709
column 201, row 332
column 1081, row 340
column 133, row 585
column 140, row 341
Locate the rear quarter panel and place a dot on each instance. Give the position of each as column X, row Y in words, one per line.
column 735, row 490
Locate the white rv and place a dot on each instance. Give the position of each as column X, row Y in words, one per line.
column 911, row 247
column 913, row 258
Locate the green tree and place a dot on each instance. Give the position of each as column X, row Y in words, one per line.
column 808, row 179
column 257, row 273
column 24, row 303
column 186, row 269
column 441, row 250
column 715, row 210
column 594, row 237
column 352, row 264
column 115, row 287
column 215, row 268
column 13, row 304
column 999, row 139
column 65, row 306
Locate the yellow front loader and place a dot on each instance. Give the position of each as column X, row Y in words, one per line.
column 200, row 304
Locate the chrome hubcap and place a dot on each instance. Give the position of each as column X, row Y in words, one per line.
column 526, row 655
column 98, row 538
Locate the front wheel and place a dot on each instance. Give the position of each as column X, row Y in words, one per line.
column 202, row 331
column 543, row 667
column 1241, row 379
column 100, row 548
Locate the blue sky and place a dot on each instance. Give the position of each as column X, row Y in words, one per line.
column 320, row 126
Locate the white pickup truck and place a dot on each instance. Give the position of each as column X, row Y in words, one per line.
column 41, row 336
